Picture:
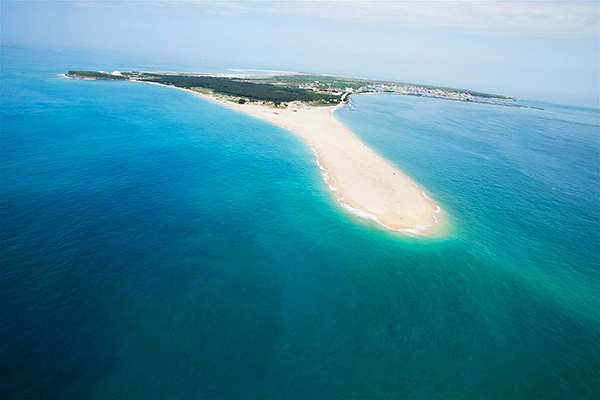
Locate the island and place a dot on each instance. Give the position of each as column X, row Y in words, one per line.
column 363, row 182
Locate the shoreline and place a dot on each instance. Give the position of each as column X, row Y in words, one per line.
column 362, row 182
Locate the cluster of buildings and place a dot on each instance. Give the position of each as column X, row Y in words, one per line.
column 320, row 88
column 399, row 88
column 423, row 91
column 417, row 91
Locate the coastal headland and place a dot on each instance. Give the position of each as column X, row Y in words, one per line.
column 362, row 182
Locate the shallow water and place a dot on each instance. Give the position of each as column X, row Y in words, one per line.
column 157, row 245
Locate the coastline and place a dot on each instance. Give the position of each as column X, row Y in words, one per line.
column 362, row 182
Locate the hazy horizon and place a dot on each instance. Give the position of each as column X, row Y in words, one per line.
column 546, row 50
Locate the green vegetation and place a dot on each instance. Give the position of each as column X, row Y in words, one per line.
column 95, row 75
column 324, row 81
column 243, row 88
column 309, row 88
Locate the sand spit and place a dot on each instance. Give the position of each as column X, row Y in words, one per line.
column 362, row 181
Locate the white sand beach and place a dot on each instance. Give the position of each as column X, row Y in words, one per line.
column 362, row 181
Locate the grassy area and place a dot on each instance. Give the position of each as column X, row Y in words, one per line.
column 319, row 81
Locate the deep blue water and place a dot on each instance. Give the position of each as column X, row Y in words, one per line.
column 156, row 245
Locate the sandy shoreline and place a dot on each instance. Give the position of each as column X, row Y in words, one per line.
column 363, row 182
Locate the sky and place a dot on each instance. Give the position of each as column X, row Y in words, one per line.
column 547, row 50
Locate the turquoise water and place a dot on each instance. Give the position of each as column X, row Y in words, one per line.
column 156, row 245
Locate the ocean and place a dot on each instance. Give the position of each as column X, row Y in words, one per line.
column 158, row 245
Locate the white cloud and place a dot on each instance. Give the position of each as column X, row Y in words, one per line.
column 529, row 17
column 520, row 17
